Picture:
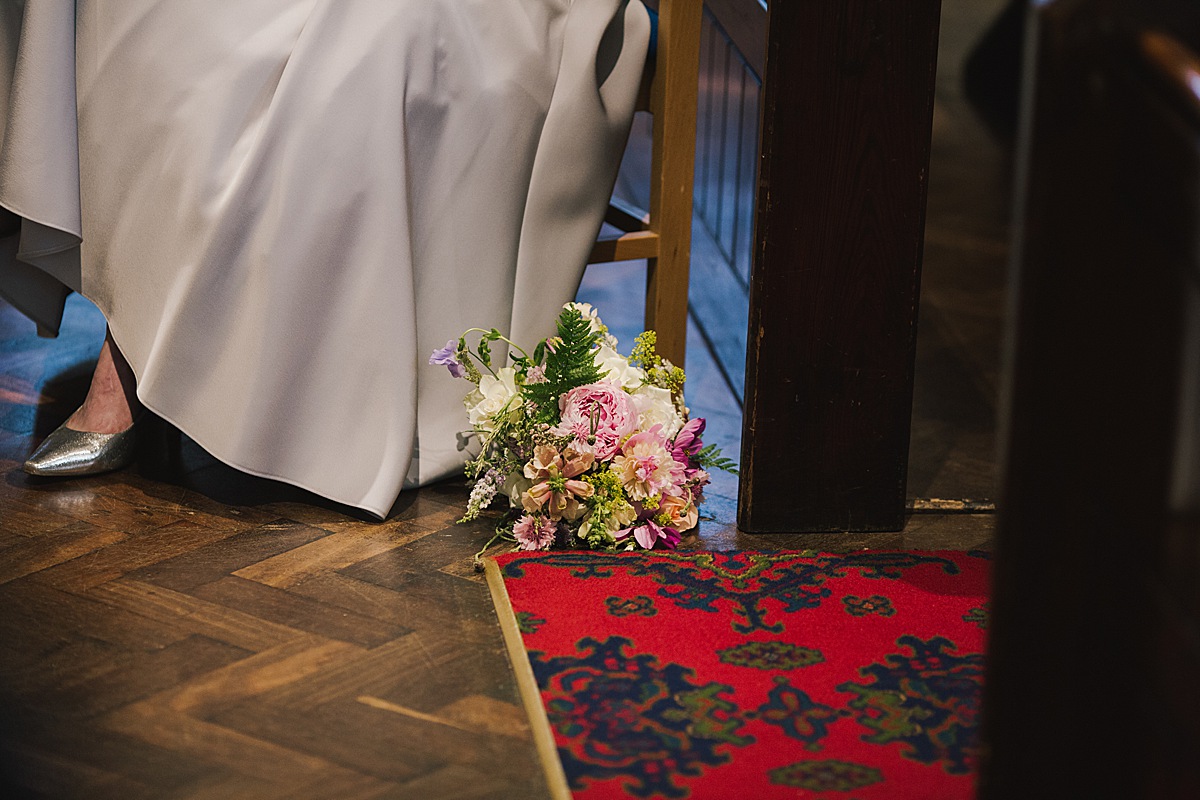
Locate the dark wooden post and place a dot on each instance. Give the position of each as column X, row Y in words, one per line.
column 847, row 115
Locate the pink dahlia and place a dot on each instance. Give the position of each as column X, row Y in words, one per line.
column 646, row 467
column 535, row 532
column 599, row 414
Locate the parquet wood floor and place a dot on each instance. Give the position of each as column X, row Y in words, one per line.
column 161, row 638
column 181, row 630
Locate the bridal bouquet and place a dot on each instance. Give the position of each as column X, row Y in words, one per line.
column 589, row 448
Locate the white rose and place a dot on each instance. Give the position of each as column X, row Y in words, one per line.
column 655, row 407
column 619, row 369
column 490, row 398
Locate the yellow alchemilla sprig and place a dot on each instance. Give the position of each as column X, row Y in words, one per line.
column 606, row 484
column 607, row 504
column 643, row 354
column 668, row 376
column 659, row 371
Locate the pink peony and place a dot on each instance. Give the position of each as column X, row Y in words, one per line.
column 599, row 414
column 534, row 532
column 646, row 467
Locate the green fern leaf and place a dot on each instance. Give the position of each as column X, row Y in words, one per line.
column 570, row 362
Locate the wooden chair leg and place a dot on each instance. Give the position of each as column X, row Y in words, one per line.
column 673, row 102
column 666, row 304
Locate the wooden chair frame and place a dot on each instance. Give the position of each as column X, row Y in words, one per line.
column 663, row 236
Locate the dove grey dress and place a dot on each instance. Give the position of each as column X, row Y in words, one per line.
column 283, row 206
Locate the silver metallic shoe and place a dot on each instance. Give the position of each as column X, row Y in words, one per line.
column 70, row 452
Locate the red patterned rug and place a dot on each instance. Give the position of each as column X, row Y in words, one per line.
column 751, row 675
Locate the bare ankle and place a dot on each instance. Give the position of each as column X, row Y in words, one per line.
column 111, row 404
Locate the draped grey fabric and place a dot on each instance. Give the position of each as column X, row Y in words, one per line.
column 283, row 206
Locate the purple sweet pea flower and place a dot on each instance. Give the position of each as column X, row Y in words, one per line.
column 446, row 358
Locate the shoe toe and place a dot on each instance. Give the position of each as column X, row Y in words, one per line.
column 70, row 452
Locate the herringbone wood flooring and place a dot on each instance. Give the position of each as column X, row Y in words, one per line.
column 157, row 642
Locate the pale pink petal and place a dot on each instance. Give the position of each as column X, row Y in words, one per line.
column 646, row 535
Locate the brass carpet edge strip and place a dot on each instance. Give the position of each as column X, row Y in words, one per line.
column 938, row 505
column 531, row 696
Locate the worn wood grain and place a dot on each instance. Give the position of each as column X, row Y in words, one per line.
column 847, row 110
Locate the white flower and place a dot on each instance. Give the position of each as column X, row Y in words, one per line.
column 619, row 369
column 589, row 313
column 493, row 394
column 655, row 407
column 594, row 322
column 516, row 485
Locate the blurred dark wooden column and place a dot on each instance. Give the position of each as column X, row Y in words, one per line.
column 847, row 115
column 1094, row 640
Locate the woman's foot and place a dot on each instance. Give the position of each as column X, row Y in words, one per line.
column 111, row 404
column 99, row 436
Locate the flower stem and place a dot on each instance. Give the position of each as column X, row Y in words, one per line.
column 478, row 559
column 504, row 339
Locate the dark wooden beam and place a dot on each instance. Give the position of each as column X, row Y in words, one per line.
column 847, row 114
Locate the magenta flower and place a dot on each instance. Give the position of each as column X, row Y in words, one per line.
column 599, row 414
column 649, row 533
column 687, row 442
column 535, row 532
column 446, row 357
